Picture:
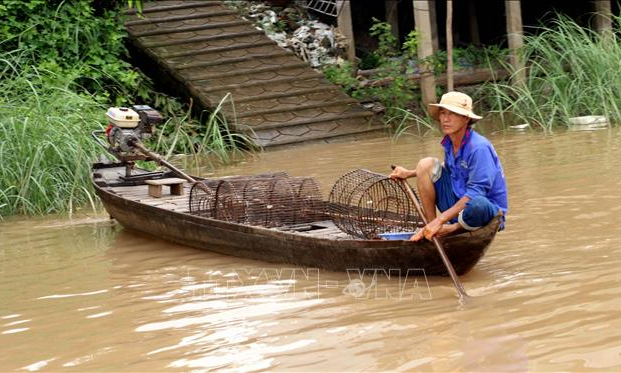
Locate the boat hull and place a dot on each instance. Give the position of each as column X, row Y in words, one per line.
column 275, row 246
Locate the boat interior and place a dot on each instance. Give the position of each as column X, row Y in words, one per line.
column 114, row 178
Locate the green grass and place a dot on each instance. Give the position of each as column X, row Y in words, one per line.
column 571, row 71
column 404, row 122
column 208, row 139
column 46, row 149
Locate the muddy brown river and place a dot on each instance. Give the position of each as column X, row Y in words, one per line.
column 83, row 294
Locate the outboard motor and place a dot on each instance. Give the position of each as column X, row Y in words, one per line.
column 128, row 126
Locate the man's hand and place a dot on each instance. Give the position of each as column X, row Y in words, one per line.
column 401, row 173
column 431, row 230
column 428, row 230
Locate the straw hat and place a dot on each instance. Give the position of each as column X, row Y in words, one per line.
column 456, row 102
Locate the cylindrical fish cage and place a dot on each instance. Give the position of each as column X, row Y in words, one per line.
column 309, row 201
column 265, row 202
column 364, row 204
column 202, row 200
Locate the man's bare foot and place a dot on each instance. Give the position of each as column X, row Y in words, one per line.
column 445, row 230
column 448, row 229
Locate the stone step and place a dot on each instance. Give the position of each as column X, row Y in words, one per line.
column 264, row 79
column 321, row 118
column 311, row 133
column 210, row 26
column 237, row 86
column 155, row 7
column 200, row 39
column 291, row 93
column 260, row 93
column 149, row 21
column 248, row 72
column 225, row 73
column 245, row 112
column 228, row 61
column 281, row 85
column 215, row 50
column 190, row 48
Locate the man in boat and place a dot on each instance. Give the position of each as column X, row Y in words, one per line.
column 469, row 187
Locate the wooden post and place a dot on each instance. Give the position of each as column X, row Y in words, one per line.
column 392, row 16
column 345, row 27
column 423, row 24
column 434, row 26
column 515, row 37
column 603, row 21
column 449, row 46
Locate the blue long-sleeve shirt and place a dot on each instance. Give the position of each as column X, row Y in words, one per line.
column 476, row 170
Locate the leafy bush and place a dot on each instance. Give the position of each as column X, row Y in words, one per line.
column 77, row 42
column 388, row 45
column 342, row 75
column 369, row 61
column 392, row 66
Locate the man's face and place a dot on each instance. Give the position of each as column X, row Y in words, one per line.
column 451, row 123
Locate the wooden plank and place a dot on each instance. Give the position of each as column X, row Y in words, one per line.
column 156, row 201
column 461, row 78
column 169, row 181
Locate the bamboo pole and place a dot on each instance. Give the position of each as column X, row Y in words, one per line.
column 449, row 46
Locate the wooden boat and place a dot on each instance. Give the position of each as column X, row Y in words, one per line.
column 317, row 244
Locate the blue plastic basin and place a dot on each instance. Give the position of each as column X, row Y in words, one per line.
column 396, row 235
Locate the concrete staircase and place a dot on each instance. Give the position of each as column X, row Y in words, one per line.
column 209, row 50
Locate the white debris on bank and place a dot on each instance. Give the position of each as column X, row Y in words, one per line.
column 588, row 123
column 315, row 42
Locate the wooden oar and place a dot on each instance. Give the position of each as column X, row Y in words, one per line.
column 447, row 263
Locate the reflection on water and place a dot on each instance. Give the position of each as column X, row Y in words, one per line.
column 87, row 294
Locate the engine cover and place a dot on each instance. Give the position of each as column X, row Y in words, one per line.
column 127, row 127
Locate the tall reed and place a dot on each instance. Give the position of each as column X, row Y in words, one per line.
column 44, row 147
column 571, row 71
column 45, row 144
column 210, row 137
